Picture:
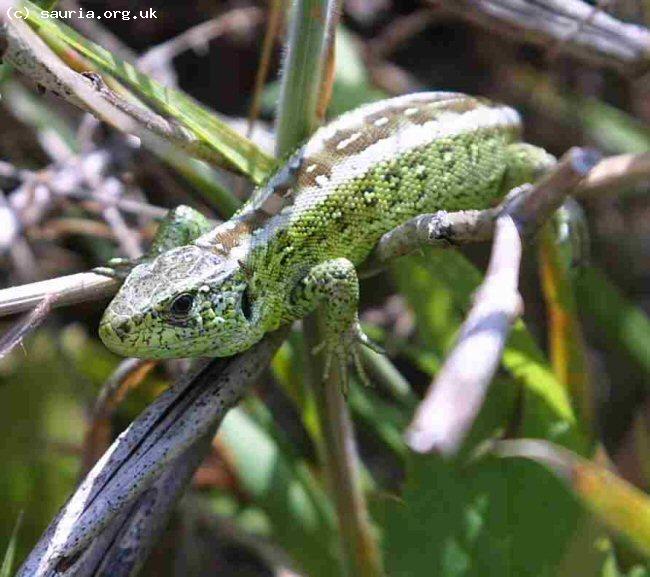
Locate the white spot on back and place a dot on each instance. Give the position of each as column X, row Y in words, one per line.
column 322, row 180
column 381, row 121
column 411, row 111
column 344, row 143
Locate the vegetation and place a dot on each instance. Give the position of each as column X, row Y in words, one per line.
column 547, row 477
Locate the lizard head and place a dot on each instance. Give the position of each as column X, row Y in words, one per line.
column 187, row 302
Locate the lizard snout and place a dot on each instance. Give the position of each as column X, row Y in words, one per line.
column 114, row 332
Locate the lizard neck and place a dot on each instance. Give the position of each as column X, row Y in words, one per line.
column 233, row 237
column 243, row 240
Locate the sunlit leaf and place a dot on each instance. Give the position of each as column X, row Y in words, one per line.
column 621, row 506
column 475, row 519
column 238, row 152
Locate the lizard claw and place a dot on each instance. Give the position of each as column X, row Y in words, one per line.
column 345, row 348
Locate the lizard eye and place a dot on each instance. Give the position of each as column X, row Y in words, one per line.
column 182, row 305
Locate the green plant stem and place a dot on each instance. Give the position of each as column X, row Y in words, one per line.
column 382, row 369
column 340, row 459
column 566, row 341
column 8, row 561
column 311, row 29
column 310, row 25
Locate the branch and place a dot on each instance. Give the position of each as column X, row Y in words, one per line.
column 571, row 26
column 27, row 52
column 15, row 335
column 128, row 375
column 450, row 406
column 441, row 229
column 452, row 402
column 197, row 37
column 68, row 290
column 616, row 173
column 143, row 458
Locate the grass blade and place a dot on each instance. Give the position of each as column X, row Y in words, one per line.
column 567, row 345
column 625, row 327
column 10, row 553
column 238, row 152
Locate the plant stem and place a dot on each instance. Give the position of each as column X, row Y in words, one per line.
column 341, row 462
column 310, row 26
column 305, row 86
column 566, row 341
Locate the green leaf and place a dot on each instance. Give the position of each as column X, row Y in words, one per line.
column 622, row 326
column 385, row 420
column 565, row 337
column 10, row 553
column 275, row 479
column 612, row 128
column 486, row 518
column 611, row 567
column 238, row 152
column 621, row 506
column 458, row 519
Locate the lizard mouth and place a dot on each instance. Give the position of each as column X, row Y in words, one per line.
column 119, row 336
column 114, row 334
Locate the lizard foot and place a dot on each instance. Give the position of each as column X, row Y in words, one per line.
column 118, row 268
column 345, row 348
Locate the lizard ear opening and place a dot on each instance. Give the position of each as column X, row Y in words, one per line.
column 246, row 304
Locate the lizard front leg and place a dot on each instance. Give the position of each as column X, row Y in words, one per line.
column 334, row 285
column 181, row 226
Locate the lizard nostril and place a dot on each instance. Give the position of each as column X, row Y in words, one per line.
column 114, row 329
column 106, row 331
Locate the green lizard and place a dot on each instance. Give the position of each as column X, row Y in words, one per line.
column 204, row 291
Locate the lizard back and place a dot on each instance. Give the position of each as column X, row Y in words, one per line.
column 365, row 173
column 374, row 168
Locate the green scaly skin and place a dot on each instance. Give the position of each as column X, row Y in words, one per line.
column 295, row 244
